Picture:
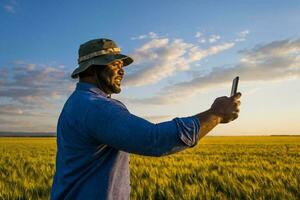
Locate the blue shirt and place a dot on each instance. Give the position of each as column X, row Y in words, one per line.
column 95, row 135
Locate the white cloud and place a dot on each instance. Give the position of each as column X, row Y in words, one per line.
column 200, row 37
column 278, row 60
column 242, row 36
column 198, row 34
column 196, row 53
column 214, row 38
column 157, row 59
column 140, row 37
column 157, row 118
column 150, row 35
column 161, row 58
column 211, row 39
column 243, row 33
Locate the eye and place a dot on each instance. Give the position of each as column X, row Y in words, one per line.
column 116, row 65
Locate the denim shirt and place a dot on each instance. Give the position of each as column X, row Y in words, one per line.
column 95, row 135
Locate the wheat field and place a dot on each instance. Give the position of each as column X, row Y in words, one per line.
column 257, row 167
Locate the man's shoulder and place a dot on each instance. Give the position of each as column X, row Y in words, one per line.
column 88, row 96
column 96, row 100
column 119, row 103
column 84, row 100
column 90, row 100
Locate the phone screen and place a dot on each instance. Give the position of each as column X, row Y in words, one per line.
column 234, row 86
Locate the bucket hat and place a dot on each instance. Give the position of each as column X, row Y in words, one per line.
column 99, row 52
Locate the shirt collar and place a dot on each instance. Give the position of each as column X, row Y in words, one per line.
column 91, row 87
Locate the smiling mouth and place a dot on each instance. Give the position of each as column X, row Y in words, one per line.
column 118, row 80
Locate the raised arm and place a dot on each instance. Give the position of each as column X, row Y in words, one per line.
column 115, row 126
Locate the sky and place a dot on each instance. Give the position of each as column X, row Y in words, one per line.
column 185, row 53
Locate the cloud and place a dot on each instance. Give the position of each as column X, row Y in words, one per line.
column 197, row 53
column 34, row 91
column 275, row 61
column 242, row 36
column 10, row 110
column 157, row 118
column 243, row 33
column 161, row 58
column 198, row 34
column 150, row 35
column 200, row 37
column 32, row 86
column 16, row 123
column 20, row 110
column 211, row 39
column 214, row 38
column 19, row 124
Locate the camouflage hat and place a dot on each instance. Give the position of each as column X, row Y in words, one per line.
column 99, row 52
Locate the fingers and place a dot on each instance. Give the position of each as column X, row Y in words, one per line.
column 227, row 107
column 234, row 116
column 237, row 110
column 237, row 96
column 237, row 103
column 234, row 113
column 221, row 98
column 230, row 117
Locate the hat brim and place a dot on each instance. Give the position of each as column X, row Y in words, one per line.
column 101, row 60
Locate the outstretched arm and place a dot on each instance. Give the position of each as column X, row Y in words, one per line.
column 112, row 124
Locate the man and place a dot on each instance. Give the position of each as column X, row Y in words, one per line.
column 96, row 133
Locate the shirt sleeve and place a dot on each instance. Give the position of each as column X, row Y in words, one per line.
column 112, row 124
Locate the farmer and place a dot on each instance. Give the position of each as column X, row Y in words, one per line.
column 96, row 133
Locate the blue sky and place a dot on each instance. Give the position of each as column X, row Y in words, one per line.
column 186, row 54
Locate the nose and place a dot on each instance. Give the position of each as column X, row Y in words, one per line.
column 121, row 71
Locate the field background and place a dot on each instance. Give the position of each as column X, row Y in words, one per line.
column 265, row 167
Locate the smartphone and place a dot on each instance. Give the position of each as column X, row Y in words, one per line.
column 234, row 87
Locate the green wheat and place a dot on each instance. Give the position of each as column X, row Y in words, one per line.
column 217, row 168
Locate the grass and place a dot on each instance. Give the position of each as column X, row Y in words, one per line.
column 217, row 168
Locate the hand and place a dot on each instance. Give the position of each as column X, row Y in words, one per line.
column 227, row 108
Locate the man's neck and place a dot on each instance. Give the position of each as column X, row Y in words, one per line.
column 88, row 79
column 92, row 80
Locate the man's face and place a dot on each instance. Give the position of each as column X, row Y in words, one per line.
column 111, row 76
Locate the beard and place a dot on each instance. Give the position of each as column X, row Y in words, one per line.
column 107, row 83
